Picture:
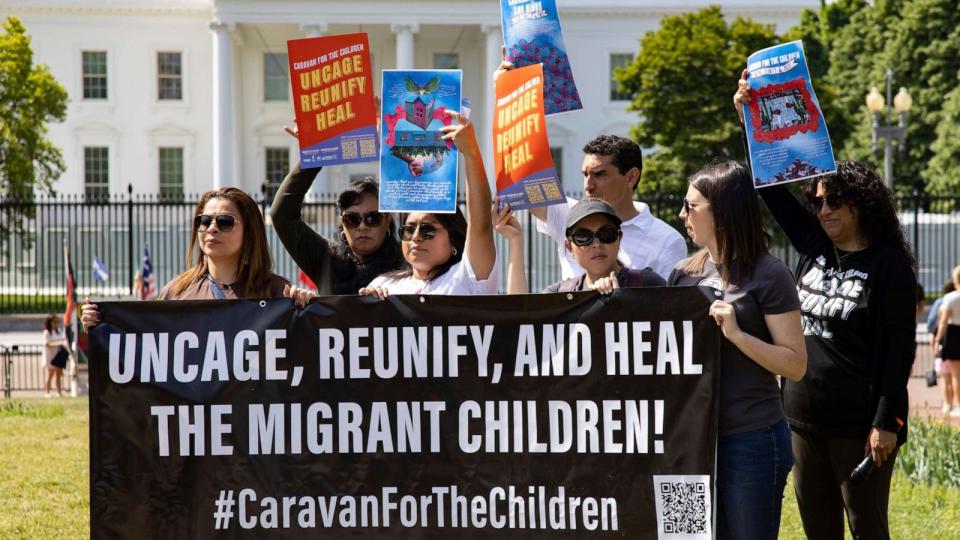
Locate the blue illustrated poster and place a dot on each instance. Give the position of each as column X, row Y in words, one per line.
column 787, row 136
column 418, row 170
column 532, row 35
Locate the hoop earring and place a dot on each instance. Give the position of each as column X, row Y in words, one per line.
column 454, row 252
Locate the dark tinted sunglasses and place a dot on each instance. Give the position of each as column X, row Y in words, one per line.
column 833, row 201
column 352, row 220
column 427, row 231
column 584, row 237
column 687, row 205
column 225, row 222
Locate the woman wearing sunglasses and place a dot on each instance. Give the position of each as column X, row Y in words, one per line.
column 593, row 239
column 447, row 253
column 367, row 246
column 757, row 310
column 232, row 260
column 856, row 277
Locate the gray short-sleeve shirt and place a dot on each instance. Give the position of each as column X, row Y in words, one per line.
column 749, row 394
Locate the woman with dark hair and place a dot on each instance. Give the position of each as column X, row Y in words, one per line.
column 232, row 259
column 856, row 279
column 55, row 354
column 758, row 312
column 447, row 253
column 948, row 325
column 367, row 246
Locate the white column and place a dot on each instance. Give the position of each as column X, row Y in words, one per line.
column 314, row 29
column 405, row 51
column 223, row 132
column 494, row 42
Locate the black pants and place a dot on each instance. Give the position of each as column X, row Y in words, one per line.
column 821, row 479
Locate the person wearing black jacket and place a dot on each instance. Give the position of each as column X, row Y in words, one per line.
column 368, row 244
column 856, row 279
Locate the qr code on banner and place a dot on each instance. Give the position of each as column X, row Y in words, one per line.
column 348, row 148
column 683, row 507
column 534, row 193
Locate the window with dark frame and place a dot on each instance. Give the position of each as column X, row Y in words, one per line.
column 171, row 173
column 446, row 60
column 96, row 173
column 618, row 60
column 169, row 76
column 94, row 74
column 277, row 166
column 276, row 77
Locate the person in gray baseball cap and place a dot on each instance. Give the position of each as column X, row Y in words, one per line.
column 593, row 239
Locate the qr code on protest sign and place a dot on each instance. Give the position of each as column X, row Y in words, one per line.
column 348, row 148
column 368, row 147
column 683, row 507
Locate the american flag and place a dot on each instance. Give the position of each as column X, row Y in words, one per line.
column 149, row 288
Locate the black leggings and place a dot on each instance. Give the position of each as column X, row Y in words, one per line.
column 821, row 473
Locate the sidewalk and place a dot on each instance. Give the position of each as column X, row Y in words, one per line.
column 925, row 402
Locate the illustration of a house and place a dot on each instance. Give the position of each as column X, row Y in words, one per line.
column 419, row 113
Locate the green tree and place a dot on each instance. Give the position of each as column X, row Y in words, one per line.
column 29, row 98
column 943, row 173
column 675, row 81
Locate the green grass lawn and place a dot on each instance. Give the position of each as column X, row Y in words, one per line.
column 45, row 481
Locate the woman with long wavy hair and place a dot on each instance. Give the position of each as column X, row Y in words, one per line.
column 856, row 278
column 227, row 258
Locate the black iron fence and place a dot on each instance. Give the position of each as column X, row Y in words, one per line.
column 23, row 367
column 32, row 267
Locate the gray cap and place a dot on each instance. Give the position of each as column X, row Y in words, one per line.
column 589, row 207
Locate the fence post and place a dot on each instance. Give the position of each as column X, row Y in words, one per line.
column 130, row 257
column 916, row 224
column 7, row 372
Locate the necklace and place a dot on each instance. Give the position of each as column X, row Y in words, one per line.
column 841, row 258
column 222, row 285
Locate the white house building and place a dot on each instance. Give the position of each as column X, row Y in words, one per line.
column 179, row 96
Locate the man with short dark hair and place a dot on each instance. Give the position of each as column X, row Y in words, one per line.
column 611, row 170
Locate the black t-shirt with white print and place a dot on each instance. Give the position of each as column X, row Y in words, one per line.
column 858, row 320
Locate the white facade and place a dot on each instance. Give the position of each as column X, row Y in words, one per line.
column 223, row 123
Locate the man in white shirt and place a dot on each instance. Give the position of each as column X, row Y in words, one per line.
column 611, row 170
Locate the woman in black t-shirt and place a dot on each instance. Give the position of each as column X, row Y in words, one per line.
column 758, row 312
column 856, row 280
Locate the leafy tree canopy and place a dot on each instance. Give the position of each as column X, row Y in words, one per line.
column 29, row 98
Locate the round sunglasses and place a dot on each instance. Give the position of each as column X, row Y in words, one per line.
column 352, row 220
column 225, row 222
column 584, row 237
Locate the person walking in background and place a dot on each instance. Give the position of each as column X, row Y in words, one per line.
column 55, row 354
column 942, row 368
column 757, row 309
column 948, row 338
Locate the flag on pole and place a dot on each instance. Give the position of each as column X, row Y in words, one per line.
column 100, row 271
column 149, row 288
column 71, row 295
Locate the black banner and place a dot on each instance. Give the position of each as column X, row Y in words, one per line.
column 540, row 416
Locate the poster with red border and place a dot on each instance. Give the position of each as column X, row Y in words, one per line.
column 332, row 82
column 787, row 137
column 524, row 168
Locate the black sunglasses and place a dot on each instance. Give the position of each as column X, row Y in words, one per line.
column 225, row 222
column 687, row 205
column 833, row 201
column 427, row 231
column 584, row 237
column 352, row 220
